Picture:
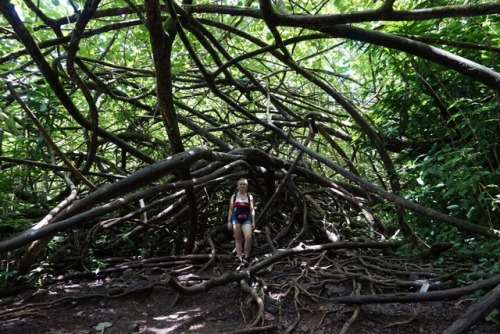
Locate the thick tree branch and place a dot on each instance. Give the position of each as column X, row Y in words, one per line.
column 86, row 210
column 450, row 294
column 462, row 65
column 86, row 15
column 161, row 42
column 475, row 312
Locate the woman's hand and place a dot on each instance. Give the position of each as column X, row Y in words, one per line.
column 229, row 226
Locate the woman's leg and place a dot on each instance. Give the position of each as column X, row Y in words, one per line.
column 247, row 232
column 238, row 239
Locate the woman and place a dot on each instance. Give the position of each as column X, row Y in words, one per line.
column 241, row 219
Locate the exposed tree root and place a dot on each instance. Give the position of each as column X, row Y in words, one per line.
column 398, row 323
column 245, row 287
column 13, row 312
column 303, row 279
column 475, row 312
column 449, row 294
column 347, row 325
column 212, row 256
column 263, row 329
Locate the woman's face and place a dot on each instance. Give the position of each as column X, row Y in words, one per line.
column 242, row 185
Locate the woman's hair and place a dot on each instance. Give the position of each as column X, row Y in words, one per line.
column 242, row 179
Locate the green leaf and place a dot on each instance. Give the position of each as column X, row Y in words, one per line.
column 102, row 326
column 492, row 316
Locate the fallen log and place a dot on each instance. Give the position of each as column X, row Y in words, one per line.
column 475, row 312
column 413, row 297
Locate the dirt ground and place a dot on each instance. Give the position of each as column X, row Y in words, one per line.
column 138, row 301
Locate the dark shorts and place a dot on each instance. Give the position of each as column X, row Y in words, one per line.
column 235, row 220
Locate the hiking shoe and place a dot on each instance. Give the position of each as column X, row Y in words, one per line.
column 245, row 262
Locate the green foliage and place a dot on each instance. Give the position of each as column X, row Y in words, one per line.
column 457, row 170
column 7, row 275
column 493, row 316
column 483, row 256
column 483, row 251
column 451, row 180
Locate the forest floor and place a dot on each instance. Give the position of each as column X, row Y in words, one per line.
column 138, row 301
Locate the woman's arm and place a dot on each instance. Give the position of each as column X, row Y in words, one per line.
column 230, row 212
column 252, row 211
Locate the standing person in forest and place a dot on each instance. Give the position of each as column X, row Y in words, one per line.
column 241, row 219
